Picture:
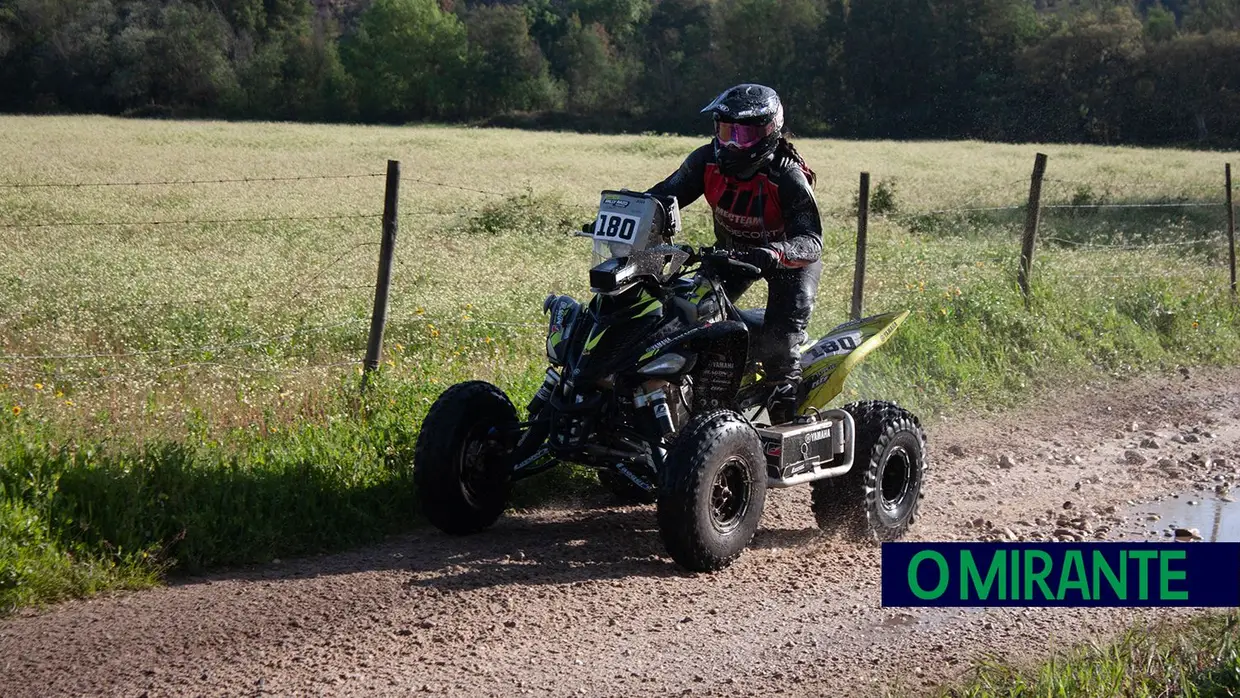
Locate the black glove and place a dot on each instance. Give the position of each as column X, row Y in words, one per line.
column 764, row 258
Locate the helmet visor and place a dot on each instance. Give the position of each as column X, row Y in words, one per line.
column 742, row 135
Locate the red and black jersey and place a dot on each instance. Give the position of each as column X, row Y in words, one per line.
column 776, row 207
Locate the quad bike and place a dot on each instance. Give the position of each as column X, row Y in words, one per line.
column 651, row 383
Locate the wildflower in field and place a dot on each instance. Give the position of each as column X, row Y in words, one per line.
column 434, row 333
column 465, row 317
column 469, row 306
column 38, row 386
column 400, row 347
column 17, row 410
column 489, row 340
column 59, row 394
column 68, row 403
column 1194, row 325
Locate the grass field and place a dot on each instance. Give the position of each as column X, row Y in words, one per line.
column 1199, row 658
column 183, row 393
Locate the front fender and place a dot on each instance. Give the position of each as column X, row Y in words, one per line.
column 826, row 364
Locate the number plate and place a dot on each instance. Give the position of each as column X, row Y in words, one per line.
column 616, row 227
column 834, row 345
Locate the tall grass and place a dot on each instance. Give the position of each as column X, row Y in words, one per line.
column 189, row 392
column 1197, row 659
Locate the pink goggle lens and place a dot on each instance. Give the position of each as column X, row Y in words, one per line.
column 741, row 135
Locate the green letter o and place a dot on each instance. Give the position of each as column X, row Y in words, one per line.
column 944, row 575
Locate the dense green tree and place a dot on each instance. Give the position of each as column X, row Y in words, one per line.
column 679, row 74
column 506, row 69
column 173, row 57
column 296, row 74
column 1160, row 23
column 1081, row 77
column 769, row 41
column 594, row 76
column 407, row 58
column 1149, row 71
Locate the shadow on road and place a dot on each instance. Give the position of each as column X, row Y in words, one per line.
column 544, row 547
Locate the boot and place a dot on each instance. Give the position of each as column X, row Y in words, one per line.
column 782, row 406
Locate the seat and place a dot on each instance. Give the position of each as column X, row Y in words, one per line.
column 753, row 318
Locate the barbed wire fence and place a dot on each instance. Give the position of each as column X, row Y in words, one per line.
column 58, row 366
column 1075, row 199
column 1118, row 237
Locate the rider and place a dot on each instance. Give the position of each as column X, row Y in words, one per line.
column 761, row 194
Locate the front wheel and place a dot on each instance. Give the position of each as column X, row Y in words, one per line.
column 460, row 467
column 713, row 491
column 879, row 496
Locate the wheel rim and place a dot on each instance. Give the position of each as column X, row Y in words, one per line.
column 729, row 496
column 897, row 479
column 475, row 459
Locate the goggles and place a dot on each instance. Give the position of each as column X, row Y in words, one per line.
column 742, row 135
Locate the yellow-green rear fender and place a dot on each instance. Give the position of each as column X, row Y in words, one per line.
column 826, row 364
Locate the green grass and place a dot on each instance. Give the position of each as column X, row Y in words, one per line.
column 188, row 391
column 1194, row 659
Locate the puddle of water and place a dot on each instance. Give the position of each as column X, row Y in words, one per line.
column 1216, row 519
column 900, row 619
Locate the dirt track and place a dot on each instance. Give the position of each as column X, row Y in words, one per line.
column 583, row 602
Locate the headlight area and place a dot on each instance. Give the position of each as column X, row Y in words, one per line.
column 665, row 365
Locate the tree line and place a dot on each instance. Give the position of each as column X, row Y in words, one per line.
column 1109, row 71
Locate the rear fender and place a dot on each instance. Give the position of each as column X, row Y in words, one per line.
column 826, row 364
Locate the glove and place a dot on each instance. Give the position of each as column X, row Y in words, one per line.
column 764, row 258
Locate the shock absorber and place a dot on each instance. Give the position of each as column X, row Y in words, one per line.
column 544, row 392
column 656, row 399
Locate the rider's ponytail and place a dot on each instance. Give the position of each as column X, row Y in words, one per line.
column 788, row 149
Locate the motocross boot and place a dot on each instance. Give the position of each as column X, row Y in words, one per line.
column 784, row 373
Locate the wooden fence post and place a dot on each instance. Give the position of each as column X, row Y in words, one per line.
column 863, row 222
column 378, row 317
column 1032, row 213
column 1231, row 230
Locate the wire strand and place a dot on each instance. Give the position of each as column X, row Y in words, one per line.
column 1177, row 243
column 236, row 180
column 205, row 221
column 1182, row 204
column 261, row 341
column 453, row 186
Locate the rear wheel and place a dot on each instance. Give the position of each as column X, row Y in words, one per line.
column 880, row 496
column 461, row 469
column 713, row 491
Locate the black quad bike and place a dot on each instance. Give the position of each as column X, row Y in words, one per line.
column 651, row 383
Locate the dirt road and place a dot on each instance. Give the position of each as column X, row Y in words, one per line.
column 583, row 602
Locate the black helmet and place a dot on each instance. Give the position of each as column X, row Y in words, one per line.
column 749, row 120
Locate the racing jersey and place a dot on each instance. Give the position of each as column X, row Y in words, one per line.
column 774, row 208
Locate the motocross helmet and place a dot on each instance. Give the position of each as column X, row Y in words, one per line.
column 749, row 121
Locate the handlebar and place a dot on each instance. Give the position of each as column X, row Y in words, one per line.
column 711, row 256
